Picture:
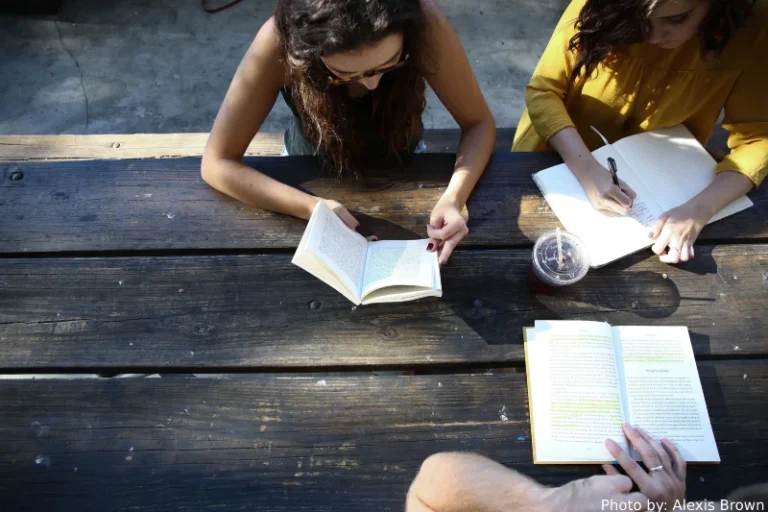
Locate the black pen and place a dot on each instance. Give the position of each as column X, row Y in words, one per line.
column 614, row 171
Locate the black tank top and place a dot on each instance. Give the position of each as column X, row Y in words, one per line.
column 296, row 142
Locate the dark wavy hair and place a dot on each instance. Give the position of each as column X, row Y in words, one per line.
column 311, row 29
column 604, row 27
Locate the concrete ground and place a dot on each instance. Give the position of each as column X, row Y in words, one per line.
column 161, row 66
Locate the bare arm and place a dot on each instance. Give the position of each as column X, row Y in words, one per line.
column 676, row 230
column 727, row 187
column 465, row 482
column 596, row 179
column 454, row 83
column 250, row 98
column 746, row 119
column 569, row 144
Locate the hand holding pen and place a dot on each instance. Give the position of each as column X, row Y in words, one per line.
column 614, row 172
column 619, row 198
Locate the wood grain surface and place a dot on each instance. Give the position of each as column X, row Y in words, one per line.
column 307, row 443
column 260, row 311
column 176, row 145
column 165, row 205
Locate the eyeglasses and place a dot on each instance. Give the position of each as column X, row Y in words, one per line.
column 334, row 80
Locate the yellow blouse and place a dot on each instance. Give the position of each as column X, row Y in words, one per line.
column 649, row 87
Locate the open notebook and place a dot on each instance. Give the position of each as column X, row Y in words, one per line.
column 665, row 168
column 366, row 272
column 587, row 378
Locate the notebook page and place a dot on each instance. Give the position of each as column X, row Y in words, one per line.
column 607, row 238
column 674, row 166
column 663, row 389
column 574, row 391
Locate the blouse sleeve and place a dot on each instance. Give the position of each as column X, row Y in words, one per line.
column 546, row 90
column 746, row 119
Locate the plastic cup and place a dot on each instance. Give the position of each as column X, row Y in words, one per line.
column 548, row 272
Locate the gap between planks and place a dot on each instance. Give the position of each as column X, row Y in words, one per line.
column 225, row 372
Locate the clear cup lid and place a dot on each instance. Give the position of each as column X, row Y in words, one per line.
column 563, row 265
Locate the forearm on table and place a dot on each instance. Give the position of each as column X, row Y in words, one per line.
column 251, row 187
column 576, row 155
column 464, row 482
column 475, row 148
column 727, row 187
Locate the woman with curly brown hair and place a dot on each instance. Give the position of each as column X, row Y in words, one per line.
column 629, row 66
column 354, row 74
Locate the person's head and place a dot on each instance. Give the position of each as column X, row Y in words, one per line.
column 378, row 44
column 605, row 26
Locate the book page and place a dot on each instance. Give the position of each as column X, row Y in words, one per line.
column 664, row 395
column 408, row 293
column 607, row 238
column 674, row 166
column 337, row 246
column 574, row 391
column 398, row 263
column 392, row 294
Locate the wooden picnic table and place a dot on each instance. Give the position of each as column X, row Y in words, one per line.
column 181, row 362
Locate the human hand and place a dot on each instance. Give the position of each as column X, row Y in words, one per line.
column 664, row 482
column 593, row 493
column 603, row 193
column 346, row 217
column 342, row 213
column 446, row 228
column 676, row 231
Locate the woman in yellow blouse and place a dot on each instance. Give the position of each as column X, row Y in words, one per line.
column 628, row 66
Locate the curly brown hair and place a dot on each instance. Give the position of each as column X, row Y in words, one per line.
column 311, row 29
column 604, row 27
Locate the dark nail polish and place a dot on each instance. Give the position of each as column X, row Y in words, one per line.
column 357, row 228
column 430, row 246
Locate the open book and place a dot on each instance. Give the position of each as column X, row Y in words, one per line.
column 587, row 378
column 666, row 168
column 366, row 272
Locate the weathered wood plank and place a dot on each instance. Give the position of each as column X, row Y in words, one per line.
column 177, row 145
column 121, row 146
column 260, row 311
column 314, row 443
column 164, row 204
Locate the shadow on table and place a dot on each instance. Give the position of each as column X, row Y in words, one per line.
column 488, row 290
column 406, row 192
column 646, row 294
column 703, row 263
column 384, row 229
column 713, row 390
column 498, row 303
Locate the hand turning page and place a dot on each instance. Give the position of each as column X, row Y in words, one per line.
column 366, row 272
